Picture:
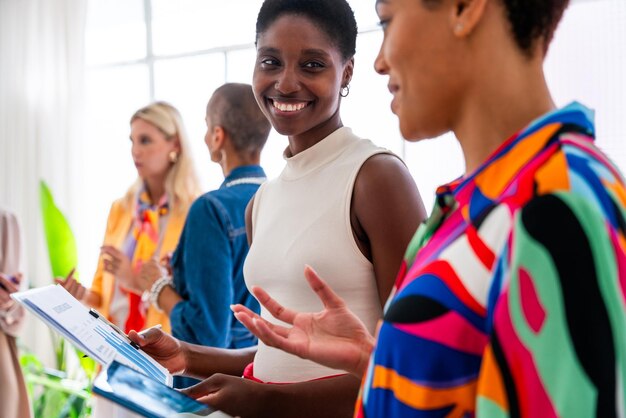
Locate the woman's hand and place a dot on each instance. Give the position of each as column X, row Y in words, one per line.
column 166, row 262
column 149, row 273
column 334, row 337
column 233, row 395
column 116, row 263
column 72, row 286
column 8, row 285
column 165, row 349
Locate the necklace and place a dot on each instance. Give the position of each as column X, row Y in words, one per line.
column 246, row 180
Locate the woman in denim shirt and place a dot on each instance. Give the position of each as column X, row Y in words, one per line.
column 206, row 269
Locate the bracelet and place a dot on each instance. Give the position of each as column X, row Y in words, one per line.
column 157, row 288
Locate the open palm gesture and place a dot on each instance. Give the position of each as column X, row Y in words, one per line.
column 334, row 337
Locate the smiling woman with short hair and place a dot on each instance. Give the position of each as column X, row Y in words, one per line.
column 510, row 301
column 342, row 204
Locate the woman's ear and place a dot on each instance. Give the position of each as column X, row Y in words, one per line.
column 215, row 140
column 347, row 72
column 219, row 137
column 176, row 142
column 466, row 15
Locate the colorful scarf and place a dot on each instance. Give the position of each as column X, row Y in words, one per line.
column 146, row 243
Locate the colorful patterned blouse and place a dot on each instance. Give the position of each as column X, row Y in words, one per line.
column 511, row 302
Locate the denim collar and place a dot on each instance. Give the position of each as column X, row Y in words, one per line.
column 246, row 174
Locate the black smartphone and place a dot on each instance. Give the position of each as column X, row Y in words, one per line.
column 145, row 396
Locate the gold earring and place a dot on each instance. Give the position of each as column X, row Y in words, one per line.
column 173, row 155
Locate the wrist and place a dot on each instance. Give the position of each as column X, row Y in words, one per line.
column 184, row 355
column 367, row 348
column 156, row 289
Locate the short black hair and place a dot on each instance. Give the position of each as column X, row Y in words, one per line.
column 233, row 107
column 530, row 20
column 333, row 17
column 533, row 20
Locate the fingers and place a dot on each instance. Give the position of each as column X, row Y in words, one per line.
column 152, row 268
column 241, row 308
column 166, row 259
column 112, row 251
column 135, row 337
column 149, row 273
column 146, row 337
column 277, row 310
column 269, row 333
column 273, row 336
column 17, row 279
column 201, row 389
column 5, row 298
column 8, row 284
column 116, row 263
column 112, row 257
column 80, row 292
column 246, row 317
column 328, row 297
column 73, row 287
column 251, row 320
column 111, row 265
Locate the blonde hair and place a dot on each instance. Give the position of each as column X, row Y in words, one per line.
column 181, row 183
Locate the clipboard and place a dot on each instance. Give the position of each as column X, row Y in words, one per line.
column 92, row 335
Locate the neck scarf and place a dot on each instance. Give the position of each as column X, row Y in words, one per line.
column 146, row 235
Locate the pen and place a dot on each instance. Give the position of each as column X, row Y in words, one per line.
column 97, row 315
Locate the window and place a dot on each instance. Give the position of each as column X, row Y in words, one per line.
column 180, row 51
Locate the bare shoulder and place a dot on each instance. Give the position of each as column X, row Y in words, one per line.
column 383, row 171
column 386, row 210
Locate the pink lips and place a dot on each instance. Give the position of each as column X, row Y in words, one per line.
column 393, row 89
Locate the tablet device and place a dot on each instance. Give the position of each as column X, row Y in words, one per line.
column 145, row 396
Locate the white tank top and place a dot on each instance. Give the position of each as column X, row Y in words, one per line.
column 303, row 217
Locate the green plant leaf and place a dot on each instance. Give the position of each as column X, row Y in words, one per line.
column 62, row 250
column 89, row 365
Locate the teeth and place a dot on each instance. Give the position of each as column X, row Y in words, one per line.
column 288, row 107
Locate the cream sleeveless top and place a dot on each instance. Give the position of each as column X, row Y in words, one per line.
column 303, row 217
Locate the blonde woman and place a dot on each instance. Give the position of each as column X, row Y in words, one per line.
column 146, row 222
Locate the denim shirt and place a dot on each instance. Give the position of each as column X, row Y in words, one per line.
column 208, row 265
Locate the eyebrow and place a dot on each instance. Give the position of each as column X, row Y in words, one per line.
column 270, row 50
column 309, row 51
column 314, row 51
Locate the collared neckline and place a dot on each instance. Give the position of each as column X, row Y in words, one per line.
column 246, row 174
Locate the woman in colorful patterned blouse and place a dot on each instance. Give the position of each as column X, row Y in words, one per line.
column 510, row 302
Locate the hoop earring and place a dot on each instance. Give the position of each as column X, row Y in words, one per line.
column 173, row 156
column 345, row 90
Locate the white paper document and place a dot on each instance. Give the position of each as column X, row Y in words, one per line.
column 90, row 334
